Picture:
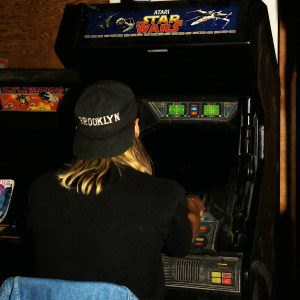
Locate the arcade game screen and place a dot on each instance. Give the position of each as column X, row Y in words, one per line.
column 176, row 110
column 211, row 110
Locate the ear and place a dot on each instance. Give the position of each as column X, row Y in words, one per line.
column 137, row 128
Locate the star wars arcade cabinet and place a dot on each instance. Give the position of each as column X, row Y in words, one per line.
column 206, row 78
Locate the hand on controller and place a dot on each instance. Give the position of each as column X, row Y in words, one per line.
column 197, row 211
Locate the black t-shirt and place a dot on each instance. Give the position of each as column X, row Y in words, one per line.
column 116, row 236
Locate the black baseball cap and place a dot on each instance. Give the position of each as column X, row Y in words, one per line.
column 105, row 115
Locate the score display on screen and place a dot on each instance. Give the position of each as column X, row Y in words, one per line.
column 211, row 110
column 176, row 110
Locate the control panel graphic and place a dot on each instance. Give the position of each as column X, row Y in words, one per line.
column 216, row 273
column 195, row 111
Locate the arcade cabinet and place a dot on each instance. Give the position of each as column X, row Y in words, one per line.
column 206, row 80
column 206, row 77
column 36, row 136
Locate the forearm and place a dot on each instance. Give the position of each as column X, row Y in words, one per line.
column 196, row 208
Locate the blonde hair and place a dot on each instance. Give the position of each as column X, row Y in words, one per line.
column 84, row 175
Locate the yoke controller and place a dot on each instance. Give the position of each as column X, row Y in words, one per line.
column 209, row 227
column 206, row 238
column 200, row 270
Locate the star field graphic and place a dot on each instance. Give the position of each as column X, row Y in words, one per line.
column 181, row 21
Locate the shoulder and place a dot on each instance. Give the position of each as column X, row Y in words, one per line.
column 44, row 181
column 169, row 187
column 158, row 185
column 163, row 194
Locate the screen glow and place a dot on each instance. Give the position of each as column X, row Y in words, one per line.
column 176, row 110
column 211, row 110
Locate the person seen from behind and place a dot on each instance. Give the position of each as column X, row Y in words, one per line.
column 105, row 217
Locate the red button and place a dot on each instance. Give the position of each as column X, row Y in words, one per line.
column 226, row 281
column 199, row 244
column 226, row 275
column 203, row 228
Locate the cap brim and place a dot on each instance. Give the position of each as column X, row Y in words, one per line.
column 91, row 148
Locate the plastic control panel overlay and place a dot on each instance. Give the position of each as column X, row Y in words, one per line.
column 218, row 273
column 203, row 110
column 206, row 238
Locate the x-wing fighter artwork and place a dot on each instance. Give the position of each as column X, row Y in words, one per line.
column 210, row 15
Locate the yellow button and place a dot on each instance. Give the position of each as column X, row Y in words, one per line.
column 199, row 239
column 216, row 274
column 216, row 280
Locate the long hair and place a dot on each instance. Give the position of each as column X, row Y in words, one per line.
column 86, row 175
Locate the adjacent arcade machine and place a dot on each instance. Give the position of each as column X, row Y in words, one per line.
column 36, row 136
column 205, row 75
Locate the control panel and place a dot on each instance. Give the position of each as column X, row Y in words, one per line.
column 208, row 230
column 203, row 110
column 216, row 273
